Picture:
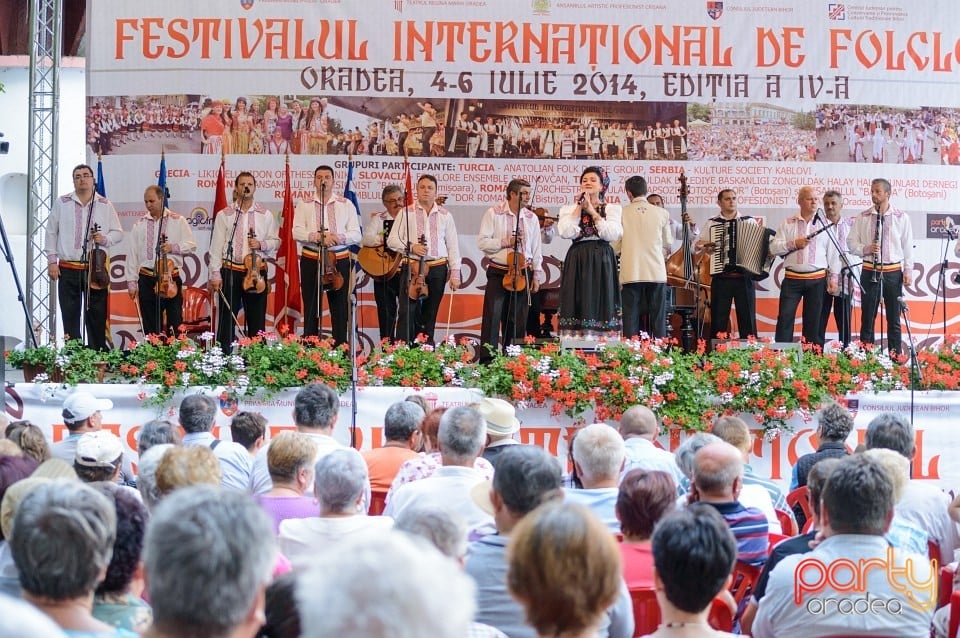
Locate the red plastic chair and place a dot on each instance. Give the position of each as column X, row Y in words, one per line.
column 196, row 311
column 776, row 539
column 744, row 578
column 808, row 526
column 721, row 615
column 646, row 611
column 800, row 498
column 954, row 613
column 787, row 524
column 378, row 501
column 945, row 588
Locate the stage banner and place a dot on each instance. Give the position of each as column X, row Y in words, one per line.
column 934, row 414
column 752, row 95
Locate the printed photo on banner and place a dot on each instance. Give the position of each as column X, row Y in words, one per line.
column 750, row 131
column 887, row 135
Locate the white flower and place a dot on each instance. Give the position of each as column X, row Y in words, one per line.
column 185, row 377
column 514, row 350
column 207, row 336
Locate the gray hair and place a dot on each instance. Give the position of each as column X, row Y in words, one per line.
column 891, row 431
column 62, row 539
column 316, row 406
column 197, row 413
column 402, row 420
column 716, row 467
column 526, row 477
column 599, row 451
column 341, row 479
column 208, row 554
column 462, row 434
column 688, row 449
column 836, row 422
column 395, row 586
column 147, row 474
column 443, row 529
column 156, row 432
column 390, row 189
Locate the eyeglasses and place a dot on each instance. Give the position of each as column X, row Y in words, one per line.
column 394, row 200
column 82, row 176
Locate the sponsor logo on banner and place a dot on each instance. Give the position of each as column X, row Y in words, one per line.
column 398, row 5
column 836, row 11
column 246, row 4
column 940, row 225
column 199, row 217
column 228, row 404
column 541, row 7
column 853, row 407
column 714, row 9
column 849, row 580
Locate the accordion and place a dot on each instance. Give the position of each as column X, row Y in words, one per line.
column 741, row 246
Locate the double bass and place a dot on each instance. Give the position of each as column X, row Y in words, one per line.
column 690, row 278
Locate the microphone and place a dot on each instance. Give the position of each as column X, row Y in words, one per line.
column 583, row 196
column 816, row 217
column 949, row 228
column 903, row 303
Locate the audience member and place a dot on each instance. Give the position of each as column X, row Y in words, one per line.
column 82, row 413
column 644, row 498
column 717, row 481
column 30, row 439
column 22, row 620
column 280, row 608
column 685, row 455
column 208, row 556
column 117, row 600
column 429, row 460
column 249, row 429
column 99, row 455
column 639, row 428
column 401, row 429
column 902, row 534
column 340, row 487
column 315, row 411
column 816, row 478
column 502, row 426
column 462, row 435
column 13, row 469
column 156, row 432
column 554, row 552
column 290, row 460
column 183, row 466
column 147, row 474
column 392, row 586
column 857, row 505
column 834, row 424
column 528, row 476
column 62, row 540
column 198, row 413
column 598, row 454
column 693, row 556
column 923, row 504
column 757, row 492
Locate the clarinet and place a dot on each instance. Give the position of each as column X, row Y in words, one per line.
column 876, row 255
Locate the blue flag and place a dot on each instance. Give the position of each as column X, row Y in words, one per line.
column 162, row 180
column 101, row 184
column 351, row 196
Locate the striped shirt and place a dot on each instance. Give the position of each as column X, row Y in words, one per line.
column 749, row 527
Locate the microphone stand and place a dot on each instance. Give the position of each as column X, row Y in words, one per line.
column 507, row 328
column 157, row 258
column 846, row 274
column 85, row 258
column 878, row 273
column 354, row 378
column 942, row 283
column 915, row 372
column 230, row 271
column 405, row 294
column 321, row 259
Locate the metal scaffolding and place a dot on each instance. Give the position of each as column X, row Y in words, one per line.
column 45, row 33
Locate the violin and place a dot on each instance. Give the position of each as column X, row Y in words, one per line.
column 544, row 217
column 332, row 278
column 418, row 275
column 515, row 280
column 253, row 279
column 166, row 287
column 98, row 277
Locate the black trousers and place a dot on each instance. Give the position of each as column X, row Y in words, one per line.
column 170, row 309
column 727, row 289
column 72, row 295
column 387, row 295
column 644, row 308
column 841, row 313
column 254, row 306
column 892, row 289
column 792, row 291
column 504, row 318
column 420, row 316
column 337, row 300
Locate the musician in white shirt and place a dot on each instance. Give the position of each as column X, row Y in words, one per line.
column 387, row 292
column 810, row 269
column 883, row 236
column 439, row 250
column 332, row 221
column 839, row 301
column 676, row 227
column 79, row 223
column 165, row 231
column 734, row 286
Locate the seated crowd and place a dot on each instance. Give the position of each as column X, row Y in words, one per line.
column 453, row 528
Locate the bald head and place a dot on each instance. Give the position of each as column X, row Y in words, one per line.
column 639, row 421
column 807, row 201
column 718, row 471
